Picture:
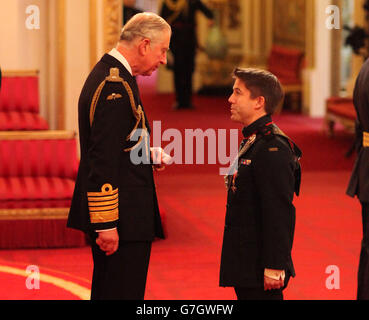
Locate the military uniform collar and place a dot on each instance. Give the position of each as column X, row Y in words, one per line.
column 256, row 125
column 113, row 62
column 117, row 55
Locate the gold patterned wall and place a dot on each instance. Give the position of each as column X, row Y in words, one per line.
column 61, row 57
column 113, row 22
column 93, row 32
column 290, row 23
column 215, row 72
column 105, row 19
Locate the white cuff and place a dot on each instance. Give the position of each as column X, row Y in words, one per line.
column 105, row 230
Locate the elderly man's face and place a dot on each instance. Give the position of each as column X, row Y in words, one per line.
column 155, row 55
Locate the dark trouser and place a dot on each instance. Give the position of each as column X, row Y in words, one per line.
column 183, row 79
column 121, row 276
column 363, row 273
column 183, row 48
column 258, row 294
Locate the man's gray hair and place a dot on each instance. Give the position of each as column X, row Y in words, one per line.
column 145, row 25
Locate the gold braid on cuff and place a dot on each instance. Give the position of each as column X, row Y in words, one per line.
column 366, row 139
column 103, row 206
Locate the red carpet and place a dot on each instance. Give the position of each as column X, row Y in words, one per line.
column 186, row 264
column 21, row 281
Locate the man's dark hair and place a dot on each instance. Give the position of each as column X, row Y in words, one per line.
column 261, row 83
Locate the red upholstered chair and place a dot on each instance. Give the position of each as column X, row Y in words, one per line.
column 287, row 64
column 37, row 175
column 19, row 101
column 340, row 110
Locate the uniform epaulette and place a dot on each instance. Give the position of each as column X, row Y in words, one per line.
column 296, row 150
column 137, row 112
column 297, row 153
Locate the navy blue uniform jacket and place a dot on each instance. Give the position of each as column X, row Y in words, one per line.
column 260, row 216
column 359, row 182
column 111, row 190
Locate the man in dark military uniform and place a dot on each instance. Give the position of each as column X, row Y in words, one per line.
column 129, row 10
column 260, row 218
column 359, row 182
column 180, row 14
column 114, row 201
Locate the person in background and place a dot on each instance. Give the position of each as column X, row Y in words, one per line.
column 180, row 14
column 129, row 10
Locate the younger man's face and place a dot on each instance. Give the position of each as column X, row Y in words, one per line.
column 242, row 105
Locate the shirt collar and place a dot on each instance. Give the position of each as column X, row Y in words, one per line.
column 256, row 125
column 117, row 55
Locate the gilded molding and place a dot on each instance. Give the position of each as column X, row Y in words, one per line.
column 113, row 22
column 34, row 213
column 93, row 33
column 310, row 34
column 290, row 23
column 37, row 135
column 20, row 73
column 336, row 43
column 61, row 48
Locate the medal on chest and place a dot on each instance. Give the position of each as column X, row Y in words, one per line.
column 230, row 179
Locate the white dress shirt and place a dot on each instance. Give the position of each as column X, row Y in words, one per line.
column 117, row 55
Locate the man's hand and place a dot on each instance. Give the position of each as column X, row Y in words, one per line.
column 160, row 158
column 108, row 241
column 271, row 284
